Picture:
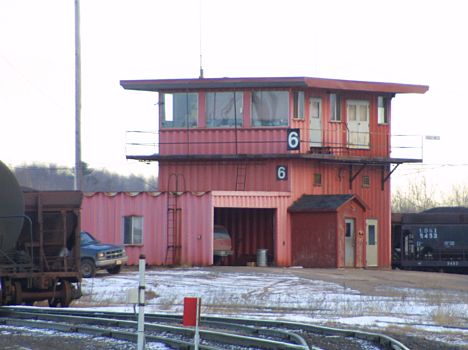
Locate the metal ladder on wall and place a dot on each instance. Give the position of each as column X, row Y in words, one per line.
column 174, row 222
column 241, row 175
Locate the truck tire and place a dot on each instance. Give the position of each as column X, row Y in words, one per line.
column 114, row 270
column 88, row 269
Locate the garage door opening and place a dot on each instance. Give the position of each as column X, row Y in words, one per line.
column 250, row 230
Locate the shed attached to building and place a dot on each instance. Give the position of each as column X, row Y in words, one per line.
column 328, row 231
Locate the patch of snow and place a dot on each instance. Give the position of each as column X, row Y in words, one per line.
column 280, row 296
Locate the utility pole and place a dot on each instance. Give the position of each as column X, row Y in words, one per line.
column 78, row 164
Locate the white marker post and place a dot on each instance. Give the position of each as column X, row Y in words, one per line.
column 196, row 340
column 141, row 304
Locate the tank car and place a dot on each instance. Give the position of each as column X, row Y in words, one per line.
column 39, row 244
column 436, row 239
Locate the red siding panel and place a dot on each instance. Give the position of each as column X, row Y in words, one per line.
column 102, row 215
column 222, row 176
column 222, row 141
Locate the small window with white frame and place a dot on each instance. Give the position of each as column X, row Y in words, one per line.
column 365, row 181
column 335, row 107
column 133, row 229
column 298, row 105
column 382, row 110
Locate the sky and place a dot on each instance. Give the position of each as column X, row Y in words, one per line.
column 416, row 42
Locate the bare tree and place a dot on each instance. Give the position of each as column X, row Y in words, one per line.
column 458, row 197
column 417, row 197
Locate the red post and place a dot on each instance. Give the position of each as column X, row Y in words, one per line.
column 191, row 304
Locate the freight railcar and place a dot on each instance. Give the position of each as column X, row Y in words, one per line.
column 435, row 240
column 39, row 244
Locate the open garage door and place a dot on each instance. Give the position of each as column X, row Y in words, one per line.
column 250, row 230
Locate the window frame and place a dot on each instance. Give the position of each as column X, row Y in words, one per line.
column 365, row 181
column 317, row 179
column 257, row 120
column 133, row 228
column 299, row 105
column 335, row 107
column 238, row 116
column 190, row 120
column 382, row 111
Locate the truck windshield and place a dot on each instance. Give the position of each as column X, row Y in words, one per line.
column 86, row 238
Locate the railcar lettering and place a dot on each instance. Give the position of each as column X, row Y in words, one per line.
column 428, row 233
column 448, row 244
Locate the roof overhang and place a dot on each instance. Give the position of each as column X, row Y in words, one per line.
column 270, row 83
column 324, row 203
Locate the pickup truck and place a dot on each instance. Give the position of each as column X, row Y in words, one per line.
column 96, row 255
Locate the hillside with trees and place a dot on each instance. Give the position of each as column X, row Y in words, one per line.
column 50, row 177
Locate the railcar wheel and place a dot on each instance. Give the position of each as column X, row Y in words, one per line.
column 87, row 268
column 64, row 296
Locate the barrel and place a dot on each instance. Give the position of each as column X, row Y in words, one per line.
column 262, row 257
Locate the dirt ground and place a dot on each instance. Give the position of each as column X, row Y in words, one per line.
column 372, row 281
column 386, row 283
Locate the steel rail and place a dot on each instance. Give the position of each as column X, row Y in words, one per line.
column 61, row 321
column 377, row 338
column 99, row 331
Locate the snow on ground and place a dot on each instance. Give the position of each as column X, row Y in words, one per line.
column 432, row 314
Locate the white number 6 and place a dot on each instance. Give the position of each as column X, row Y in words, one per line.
column 293, row 139
column 281, row 172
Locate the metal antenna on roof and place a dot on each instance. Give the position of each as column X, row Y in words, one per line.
column 201, row 56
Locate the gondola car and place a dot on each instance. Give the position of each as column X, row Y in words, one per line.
column 435, row 240
column 39, row 244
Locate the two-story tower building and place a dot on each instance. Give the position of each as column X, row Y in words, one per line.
column 299, row 166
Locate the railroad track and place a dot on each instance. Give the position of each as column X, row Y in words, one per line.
column 215, row 332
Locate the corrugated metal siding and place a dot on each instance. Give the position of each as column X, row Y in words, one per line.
column 197, row 229
column 102, row 215
column 335, row 180
column 222, row 176
column 274, row 200
column 223, row 141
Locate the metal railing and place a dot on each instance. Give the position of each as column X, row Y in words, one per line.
column 264, row 140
